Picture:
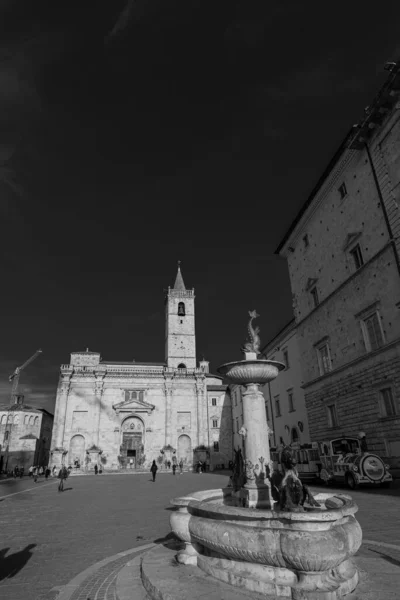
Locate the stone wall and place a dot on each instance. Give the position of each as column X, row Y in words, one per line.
column 354, row 390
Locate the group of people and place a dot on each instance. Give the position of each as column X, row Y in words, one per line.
column 154, row 468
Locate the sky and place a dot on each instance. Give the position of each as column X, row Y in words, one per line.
column 134, row 134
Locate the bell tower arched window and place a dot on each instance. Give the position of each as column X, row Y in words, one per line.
column 181, row 309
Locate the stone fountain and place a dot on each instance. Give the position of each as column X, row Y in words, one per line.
column 245, row 535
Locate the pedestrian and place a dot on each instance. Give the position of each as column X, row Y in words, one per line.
column 16, row 472
column 40, row 470
column 35, row 474
column 181, row 466
column 47, row 473
column 21, row 472
column 54, row 473
column 62, row 476
column 200, row 467
column 169, row 464
column 173, row 468
column 95, row 469
column 154, row 470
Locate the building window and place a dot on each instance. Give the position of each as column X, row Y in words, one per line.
column 314, row 296
column 332, row 416
column 277, row 406
column 372, row 332
column 286, row 358
column 216, row 446
column 214, row 402
column 6, row 435
column 236, row 399
column 237, row 425
column 324, row 359
column 215, row 423
column 291, row 402
column 181, row 309
column 26, row 419
column 267, row 411
column 305, row 240
column 342, row 190
column 388, row 408
column 181, row 366
column 357, row 256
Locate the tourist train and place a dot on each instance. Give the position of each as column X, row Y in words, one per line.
column 341, row 460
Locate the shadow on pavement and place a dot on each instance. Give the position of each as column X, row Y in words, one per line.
column 170, row 537
column 12, row 564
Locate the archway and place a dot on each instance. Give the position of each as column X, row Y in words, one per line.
column 185, row 449
column 132, row 442
column 76, row 454
column 295, row 435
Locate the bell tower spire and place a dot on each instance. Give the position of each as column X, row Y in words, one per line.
column 179, row 285
column 180, row 337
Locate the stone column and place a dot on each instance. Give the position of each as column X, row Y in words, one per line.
column 61, row 411
column 98, row 393
column 58, row 451
column 168, row 412
column 200, row 402
column 256, row 491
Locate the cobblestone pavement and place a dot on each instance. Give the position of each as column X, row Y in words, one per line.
column 48, row 537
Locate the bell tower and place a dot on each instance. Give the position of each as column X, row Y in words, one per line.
column 180, row 337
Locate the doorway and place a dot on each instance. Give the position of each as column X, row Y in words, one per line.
column 131, row 458
column 131, row 449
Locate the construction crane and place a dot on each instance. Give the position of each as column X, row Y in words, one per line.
column 15, row 376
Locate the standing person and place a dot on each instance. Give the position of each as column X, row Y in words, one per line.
column 30, row 471
column 154, row 470
column 35, row 474
column 95, row 469
column 181, row 466
column 169, row 464
column 62, row 476
column 47, row 473
column 40, row 470
column 173, row 468
column 54, row 472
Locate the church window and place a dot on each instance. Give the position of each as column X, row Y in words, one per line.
column 215, row 423
column 181, row 309
column 214, row 402
column 216, row 446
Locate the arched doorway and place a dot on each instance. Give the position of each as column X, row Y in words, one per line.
column 76, row 454
column 185, row 449
column 132, row 442
column 295, row 435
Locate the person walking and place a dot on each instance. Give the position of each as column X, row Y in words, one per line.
column 181, row 466
column 173, row 468
column 96, row 469
column 35, row 474
column 62, row 476
column 47, row 473
column 154, row 470
column 30, row 471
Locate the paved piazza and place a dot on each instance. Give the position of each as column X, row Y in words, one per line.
column 48, row 538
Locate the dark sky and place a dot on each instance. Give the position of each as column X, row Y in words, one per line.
column 136, row 134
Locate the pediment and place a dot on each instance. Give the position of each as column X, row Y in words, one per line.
column 310, row 283
column 351, row 238
column 133, row 406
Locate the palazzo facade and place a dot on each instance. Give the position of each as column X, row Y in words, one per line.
column 127, row 414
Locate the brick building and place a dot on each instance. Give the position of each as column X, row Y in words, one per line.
column 343, row 257
column 25, row 435
column 284, row 396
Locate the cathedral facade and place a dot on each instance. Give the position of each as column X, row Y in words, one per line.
column 127, row 414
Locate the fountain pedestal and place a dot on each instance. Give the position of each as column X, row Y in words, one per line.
column 256, row 491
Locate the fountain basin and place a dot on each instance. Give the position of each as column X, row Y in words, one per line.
column 244, row 372
column 270, row 551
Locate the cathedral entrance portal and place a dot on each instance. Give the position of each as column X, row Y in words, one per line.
column 76, row 455
column 132, row 443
